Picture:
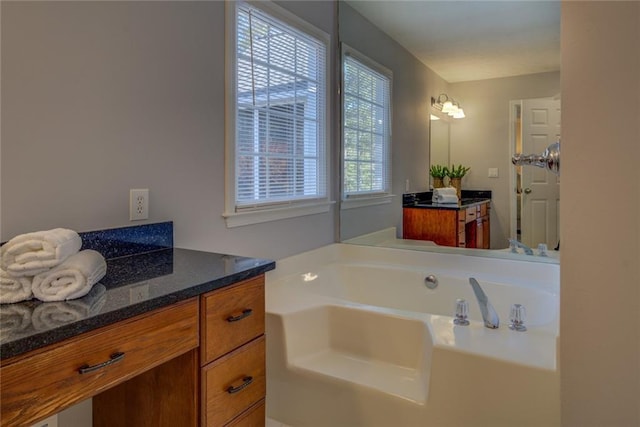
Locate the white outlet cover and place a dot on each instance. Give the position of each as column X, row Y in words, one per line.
column 493, row 172
column 138, row 204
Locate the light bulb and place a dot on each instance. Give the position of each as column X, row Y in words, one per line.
column 459, row 114
column 447, row 106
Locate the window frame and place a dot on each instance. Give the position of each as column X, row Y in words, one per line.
column 240, row 216
column 350, row 201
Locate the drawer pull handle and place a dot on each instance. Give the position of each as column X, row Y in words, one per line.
column 115, row 357
column 245, row 382
column 245, row 313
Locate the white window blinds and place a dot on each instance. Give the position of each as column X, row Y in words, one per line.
column 280, row 141
column 366, row 128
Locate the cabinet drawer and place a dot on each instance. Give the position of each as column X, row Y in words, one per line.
column 231, row 317
column 142, row 342
column 484, row 209
column 471, row 214
column 254, row 417
column 233, row 383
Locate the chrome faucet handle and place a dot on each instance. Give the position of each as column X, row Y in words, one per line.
column 517, row 317
column 542, row 249
column 462, row 312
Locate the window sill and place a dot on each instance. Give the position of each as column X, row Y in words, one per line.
column 361, row 202
column 239, row 219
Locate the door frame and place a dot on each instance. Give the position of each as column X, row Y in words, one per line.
column 513, row 184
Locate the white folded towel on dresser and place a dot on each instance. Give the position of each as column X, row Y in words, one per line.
column 33, row 253
column 445, row 195
column 447, row 199
column 14, row 289
column 444, row 190
column 71, row 279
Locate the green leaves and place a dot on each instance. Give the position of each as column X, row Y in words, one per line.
column 439, row 171
column 457, row 171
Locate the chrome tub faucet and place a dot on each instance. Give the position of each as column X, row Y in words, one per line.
column 514, row 244
column 489, row 314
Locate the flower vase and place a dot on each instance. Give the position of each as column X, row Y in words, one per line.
column 438, row 182
column 457, row 184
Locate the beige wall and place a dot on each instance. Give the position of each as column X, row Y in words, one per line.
column 600, row 268
column 481, row 140
column 101, row 97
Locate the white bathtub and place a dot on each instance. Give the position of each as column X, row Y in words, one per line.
column 355, row 338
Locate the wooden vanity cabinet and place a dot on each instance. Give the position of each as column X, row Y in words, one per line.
column 438, row 225
column 464, row 227
column 233, row 372
column 45, row 381
column 197, row 362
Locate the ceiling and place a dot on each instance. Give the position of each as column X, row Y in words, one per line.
column 472, row 40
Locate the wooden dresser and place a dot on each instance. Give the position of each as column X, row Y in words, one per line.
column 199, row 361
column 465, row 227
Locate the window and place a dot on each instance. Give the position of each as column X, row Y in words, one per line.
column 366, row 127
column 280, row 112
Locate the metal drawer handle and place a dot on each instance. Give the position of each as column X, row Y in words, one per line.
column 245, row 313
column 245, row 382
column 115, row 357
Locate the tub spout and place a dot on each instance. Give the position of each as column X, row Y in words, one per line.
column 489, row 315
column 514, row 243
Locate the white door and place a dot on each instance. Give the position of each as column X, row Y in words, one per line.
column 540, row 199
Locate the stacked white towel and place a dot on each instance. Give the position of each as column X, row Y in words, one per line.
column 445, row 195
column 71, row 279
column 48, row 265
column 33, row 253
column 14, row 289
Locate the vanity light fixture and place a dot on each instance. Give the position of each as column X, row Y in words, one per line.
column 448, row 106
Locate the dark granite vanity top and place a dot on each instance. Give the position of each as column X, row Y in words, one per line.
column 423, row 200
column 134, row 284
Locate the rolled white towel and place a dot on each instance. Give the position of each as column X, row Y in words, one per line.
column 14, row 319
column 52, row 314
column 14, row 289
column 33, row 253
column 71, row 279
column 439, row 193
column 446, row 198
column 445, row 190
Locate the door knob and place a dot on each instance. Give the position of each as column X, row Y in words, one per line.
column 527, row 190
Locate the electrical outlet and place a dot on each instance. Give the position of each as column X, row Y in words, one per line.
column 493, row 172
column 139, row 293
column 138, row 204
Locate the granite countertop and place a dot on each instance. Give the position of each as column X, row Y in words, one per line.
column 133, row 285
column 469, row 199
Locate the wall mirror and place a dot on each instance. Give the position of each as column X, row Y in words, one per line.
column 439, row 141
column 479, row 65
